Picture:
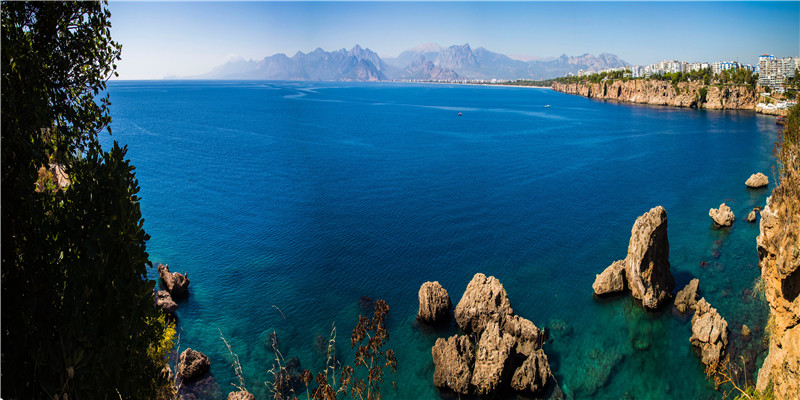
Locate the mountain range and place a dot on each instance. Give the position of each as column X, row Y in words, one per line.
column 425, row 62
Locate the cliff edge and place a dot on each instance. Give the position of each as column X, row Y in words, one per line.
column 779, row 259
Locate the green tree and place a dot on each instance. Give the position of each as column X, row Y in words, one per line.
column 77, row 309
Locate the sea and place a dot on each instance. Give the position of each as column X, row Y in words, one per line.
column 294, row 206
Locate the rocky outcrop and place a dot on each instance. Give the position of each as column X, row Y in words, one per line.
column 687, row 297
column 193, row 365
column 241, row 395
column 757, row 180
column 164, row 301
column 508, row 350
column 434, row 303
column 709, row 334
column 722, row 216
column 175, row 283
column 647, row 264
column 611, row 280
column 752, row 216
column 655, row 92
column 484, row 300
column 453, row 359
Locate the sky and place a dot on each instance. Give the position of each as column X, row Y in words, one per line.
column 179, row 39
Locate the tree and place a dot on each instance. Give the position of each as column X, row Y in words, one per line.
column 77, row 309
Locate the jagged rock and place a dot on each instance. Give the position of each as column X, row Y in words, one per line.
column 647, row 264
column 752, row 216
column 177, row 284
column 528, row 338
column 193, row 364
column 164, row 301
column 434, row 303
column 745, row 332
column 722, row 216
column 611, row 280
column 453, row 359
column 493, row 359
column 532, row 375
column 709, row 333
column 687, row 297
column 241, row 395
column 757, row 180
column 484, row 300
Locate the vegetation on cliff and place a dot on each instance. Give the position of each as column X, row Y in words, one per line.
column 77, row 309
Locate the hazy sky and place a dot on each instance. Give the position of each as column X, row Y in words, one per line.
column 190, row 38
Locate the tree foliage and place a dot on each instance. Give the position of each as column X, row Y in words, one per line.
column 78, row 317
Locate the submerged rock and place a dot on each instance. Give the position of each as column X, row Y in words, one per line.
column 611, row 280
column 434, row 303
column 193, row 364
column 687, row 297
column 484, row 300
column 647, row 264
column 757, row 180
column 177, row 284
column 453, row 359
column 722, row 216
column 709, row 334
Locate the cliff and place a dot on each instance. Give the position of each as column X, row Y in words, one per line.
column 779, row 259
column 654, row 92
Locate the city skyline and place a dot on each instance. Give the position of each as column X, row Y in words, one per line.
column 191, row 38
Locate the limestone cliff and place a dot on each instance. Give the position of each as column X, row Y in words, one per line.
column 779, row 259
column 654, row 92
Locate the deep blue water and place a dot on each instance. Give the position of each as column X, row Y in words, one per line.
column 288, row 202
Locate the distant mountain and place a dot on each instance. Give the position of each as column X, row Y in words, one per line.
column 425, row 62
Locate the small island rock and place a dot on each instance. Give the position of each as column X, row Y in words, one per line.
column 193, row 364
column 484, row 300
column 757, row 180
column 647, row 264
column 532, row 375
column 722, row 216
column 611, row 280
column 493, row 359
column 164, row 301
column 528, row 337
column 453, row 359
column 687, row 297
column 241, row 395
column 434, row 303
column 177, row 284
column 752, row 216
column 709, row 334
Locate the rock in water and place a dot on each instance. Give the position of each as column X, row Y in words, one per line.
column 687, row 297
column 493, row 359
column 484, row 300
column 434, row 303
column 757, row 180
column 709, row 333
column 177, row 284
column 528, row 337
column 532, row 375
column 193, row 364
column 453, row 359
column 611, row 280
column 722, row 216
column 647, row 264
column 752, row 216
column 164, row 301
column 745, row 332
column 241, row 395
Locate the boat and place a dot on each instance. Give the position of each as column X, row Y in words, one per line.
column 459, row 114
column 547, row 106
column 781, row 120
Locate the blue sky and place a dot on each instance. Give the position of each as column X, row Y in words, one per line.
column 188, row 38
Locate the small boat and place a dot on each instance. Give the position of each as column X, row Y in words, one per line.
column 547, row 106
column 781, row 120
column 459, row 114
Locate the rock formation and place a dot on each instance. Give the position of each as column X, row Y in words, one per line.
column 709, row 334
column 647, row 264
column 757, row 180
column 485, row 299
column 687, row 297
column 193, row 364
column 655, row 92
column 752, row 216
column 434, row 303
column 508, row 350
column 164, row 301
column 722, row 216
column 453, row 359
column 611, row 280
column 177, row 284
column 241, row 395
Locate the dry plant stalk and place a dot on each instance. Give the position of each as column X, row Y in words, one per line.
column 237, row 366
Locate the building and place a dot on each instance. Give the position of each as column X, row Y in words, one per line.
column 773, row 71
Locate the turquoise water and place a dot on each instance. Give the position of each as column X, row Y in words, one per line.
column 287, row 203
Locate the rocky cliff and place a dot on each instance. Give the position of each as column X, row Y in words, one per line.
column 779, row 259
column 645, row 91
